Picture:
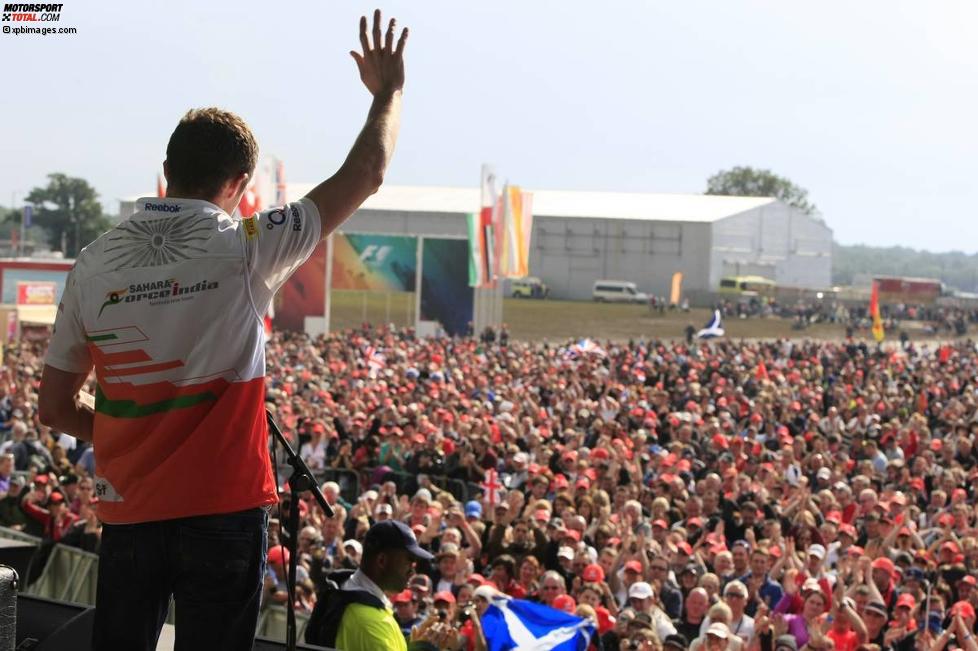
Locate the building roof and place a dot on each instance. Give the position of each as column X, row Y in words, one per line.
column 551, row 203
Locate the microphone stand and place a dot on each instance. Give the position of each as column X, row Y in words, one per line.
column 301, row 480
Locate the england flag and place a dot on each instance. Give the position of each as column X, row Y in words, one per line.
column 518, row 625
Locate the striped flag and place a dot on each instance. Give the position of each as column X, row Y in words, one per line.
column 477, row 261
column 515, row 229
column 874, row 312
column 488, row 228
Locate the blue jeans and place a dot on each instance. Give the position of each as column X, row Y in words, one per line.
column 212, row 565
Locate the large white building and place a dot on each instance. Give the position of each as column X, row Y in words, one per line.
column 581, row 237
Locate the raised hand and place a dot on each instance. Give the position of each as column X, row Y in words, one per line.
column 382, row 65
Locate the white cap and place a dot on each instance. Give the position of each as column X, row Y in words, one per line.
column 640, row 590
column 718, row 629
column 817, row 551
column 424, row 494
column 357, row 547
column 565, row 552
column 487, row 592
column 824, row 473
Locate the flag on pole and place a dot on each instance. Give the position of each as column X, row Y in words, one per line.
column 713, row 328
column 486, row 235
column 761, row 374
column 160, row 186
column 28, row 215
column 514, row 234
column 518, row 625
column 477, row 263
column 676, row 293
column 874, row 312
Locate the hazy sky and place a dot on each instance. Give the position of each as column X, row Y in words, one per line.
column 870, row 105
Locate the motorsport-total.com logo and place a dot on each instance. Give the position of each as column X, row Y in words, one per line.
column 30, row 13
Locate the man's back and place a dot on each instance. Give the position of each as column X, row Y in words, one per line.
column 364, row 628
column 168, row 306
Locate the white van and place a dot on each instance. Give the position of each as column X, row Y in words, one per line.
column 617, row 291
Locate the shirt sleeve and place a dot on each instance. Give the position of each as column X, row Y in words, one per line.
column 277, row 242
column 68, row 349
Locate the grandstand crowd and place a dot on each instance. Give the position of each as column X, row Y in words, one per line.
column 719, row 495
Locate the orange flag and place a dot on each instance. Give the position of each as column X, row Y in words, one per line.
column 874, row 312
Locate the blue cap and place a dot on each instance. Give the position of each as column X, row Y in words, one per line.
column 394, row 534
column 473, row 509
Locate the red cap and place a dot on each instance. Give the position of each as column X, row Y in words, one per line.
column 444, row 595
column 906, row 600
column 633, row 566
column 950, row 546
column 573, row 533
column 685, row 548
column 593, row 573
column 565, row 602
column 403, row 597
column 541, row 515
column 41, row 479
column 883, row 563
column 660, row 523
column 56, row 498
column 936, row 445
column 969, row 579
column 599, row 453
column 963, row 608
column 278, row 555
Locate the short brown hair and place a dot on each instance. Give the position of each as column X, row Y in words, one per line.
column 208, row 148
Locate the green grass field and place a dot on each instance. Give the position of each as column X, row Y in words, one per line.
column 558, row 320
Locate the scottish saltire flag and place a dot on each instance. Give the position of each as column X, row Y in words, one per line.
column 713, row 329
column 518, row 625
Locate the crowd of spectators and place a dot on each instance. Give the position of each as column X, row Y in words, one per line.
column 781, row 495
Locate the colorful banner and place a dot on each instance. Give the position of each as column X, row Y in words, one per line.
column 382, row 263
column 445, row 293
column 874, row 312
column 304, row 294
column 37, row 293
column 515, row 227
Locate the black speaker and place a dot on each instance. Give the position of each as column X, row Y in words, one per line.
column 49, row 625
column 39, row 618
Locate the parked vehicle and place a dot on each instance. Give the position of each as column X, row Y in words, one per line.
column 617, row 291
column 747, row 285
column 529, row 287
